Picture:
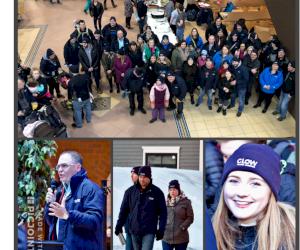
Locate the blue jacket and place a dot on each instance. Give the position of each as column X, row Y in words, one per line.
column 146, row 211
column 210, row 238
column 241, row 74
column 83, row 229
column 218, row 59
column 190, row 42
column 229, row 7
column 273, row 80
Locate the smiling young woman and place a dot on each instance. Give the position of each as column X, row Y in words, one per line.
column 249, row 215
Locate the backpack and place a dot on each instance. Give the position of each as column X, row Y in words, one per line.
column 191, row 15
column 49, row 114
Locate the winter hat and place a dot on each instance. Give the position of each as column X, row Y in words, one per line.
column 275, row 63
column 162, row 53
column 49, row 52
column 161, row 79
column 135, row 170
column 85, row 39
column 112, row 18
column 174, row 184
column 145, row 171
column 165, row 36
column 259, row 159
column 225, row 61
column 236, row 59
column 204, row 52
column 170, row 73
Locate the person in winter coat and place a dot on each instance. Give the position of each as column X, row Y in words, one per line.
column 50, row 66
column 71, row 50
column 189, row 74
column 133, row 83
column 210, row 46
column 220, row 39
column 135, row 55
column 168, row 9
column 226, row 88
column 159, row 99
column 287, row 92
column 180, row 218
column 120, row 42
column 202, row 59
column 241, row 75
column 75, row 212
column 121, row 65
column 107, row 61
column 229, row 6
column 221, row 56
column 109, row 31
column 178, row 91
column 241, row 30
column 151, row 73
column 83, row 32
column 128, row 11
column 166, row 46
column 150, row 50
column 194, row 39
column 89, row 60
column 232, row 42
column 149, row 34
column 163, row 65
column 270, row 80
column 96, row 11
column 180, row 23
column 210, row 238
column 249, row 202
column 241, row 52
column 215, row 27
column 207, row 79
column 140, row 43
column 179, row 56
column 253, row 40
column 142, row 9
column 253, row 65
column 144, row 206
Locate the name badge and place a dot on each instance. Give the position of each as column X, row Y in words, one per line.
column 77, row 201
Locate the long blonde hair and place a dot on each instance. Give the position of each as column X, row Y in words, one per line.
column 275, row 229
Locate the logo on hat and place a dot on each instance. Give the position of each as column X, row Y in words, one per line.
column 246, row 162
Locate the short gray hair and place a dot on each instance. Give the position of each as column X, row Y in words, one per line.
column 75, row 156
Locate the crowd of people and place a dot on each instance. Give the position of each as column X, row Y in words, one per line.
column 224, row 66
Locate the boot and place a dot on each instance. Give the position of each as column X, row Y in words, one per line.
column 192, row 99
column 224, row 112
column 110, row 85
column 219, row 109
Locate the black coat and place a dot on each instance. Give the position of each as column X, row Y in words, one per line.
column 224, row 83
column 178, row 88
column 86, row 33
column 71, row 53
column 213, row 30
column 99, row 45
column 211, row 52
column 49, row 67
column 115, row 46
column 146, row 211
column 110, row 33
column 97, row 11
column 136, row 58
column 167, row 50
column 207, row 78
column 84, row 60
column 78, row 87
column 289, row 84
column 150, row 74
column 153, row 36
column 133, row 83
column 141, row 9
column 241, row 75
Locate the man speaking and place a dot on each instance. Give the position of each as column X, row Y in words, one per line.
column 74, row 212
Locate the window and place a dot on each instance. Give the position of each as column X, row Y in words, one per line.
column 161, row 156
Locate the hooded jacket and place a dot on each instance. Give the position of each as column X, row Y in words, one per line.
column 241, row 75
column 49, row 67
column 146, row 210
column 83, row 228
column 219, row 59
column 178, row 88
column 133, row 83
column 180, row 217
column 289, row 84
column 207, row 78
column 71, row 53
column 273, row 80
column 167, row 49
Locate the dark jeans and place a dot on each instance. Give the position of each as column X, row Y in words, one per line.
column 53, row 84
column 97, row 21
column 166, row 246
column 141, row 23
column 265, row 97
column 144, row 242
column 241, row 95
column 173, row 28
column 251, row 82
column 127, row 21
column 129, row 245
column 96, row 74
column 140, row 100
column 173, row 105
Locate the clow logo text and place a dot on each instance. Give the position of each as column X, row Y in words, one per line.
column 246, row 162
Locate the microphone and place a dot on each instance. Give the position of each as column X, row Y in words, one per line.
column 54, row 185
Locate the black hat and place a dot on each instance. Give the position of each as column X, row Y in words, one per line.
column 275, row 62
column 121, row 51
column 49, row 52
column 236, row 59
column 135, row 170
column 97, row 32
column 161, row 79
column 73, row 35
column 162, row 53
column 170, row 73
column 145, row 171
column 174, row 184
column 85, row 39
column 165, row 36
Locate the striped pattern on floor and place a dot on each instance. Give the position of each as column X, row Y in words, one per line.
column 182, row 127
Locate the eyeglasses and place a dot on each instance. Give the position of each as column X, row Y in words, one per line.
column 64, row 166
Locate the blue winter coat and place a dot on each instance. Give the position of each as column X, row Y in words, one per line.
column 190, row 42
column 83, row 229
column 210, row 238
column 267, row 78
column 218, row 59
column 146, row 211
column 229, row 7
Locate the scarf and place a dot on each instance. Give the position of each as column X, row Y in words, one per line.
column 171, row 202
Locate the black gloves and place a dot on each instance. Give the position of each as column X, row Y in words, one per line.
column 118, row 230
column 159, row 235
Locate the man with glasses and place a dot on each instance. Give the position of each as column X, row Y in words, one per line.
column 74, row 212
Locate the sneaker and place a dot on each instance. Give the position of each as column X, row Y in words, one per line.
column 264, row 110
column 238, row 114
column 224, row 112
column 275, row 112
column 152, row 120
column 256, row 106
column 143, row 110
column 210, row 107
column 163, row 120
column 280, row 118
column 131, row 112
column 219, row 109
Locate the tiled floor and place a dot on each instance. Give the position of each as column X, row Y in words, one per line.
column 116, row 121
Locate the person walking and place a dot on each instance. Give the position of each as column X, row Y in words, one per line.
column 128, row 9
column 180, row 218
column 96, row 11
